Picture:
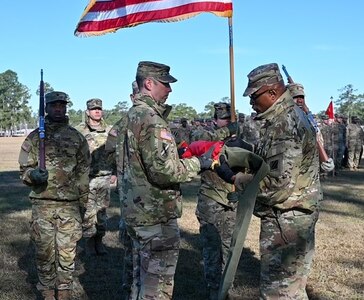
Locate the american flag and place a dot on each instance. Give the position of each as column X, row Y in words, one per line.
column 104, row 16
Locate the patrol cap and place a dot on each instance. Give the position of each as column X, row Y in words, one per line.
column 296, row 89
column 268, row 74
column 155, row 70
column 222, row 110
column 324, row 117
column 355, row 118
column 56, row 96
column 94, row 103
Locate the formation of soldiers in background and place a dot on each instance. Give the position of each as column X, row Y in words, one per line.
column 342, row 140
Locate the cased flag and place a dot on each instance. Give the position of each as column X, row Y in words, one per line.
column 330, row 110
column 104, row 16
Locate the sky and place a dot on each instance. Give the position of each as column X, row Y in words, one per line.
column 321, row 43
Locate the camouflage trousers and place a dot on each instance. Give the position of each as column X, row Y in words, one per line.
column 155, row 254
column 354, row 152
column 217, row 222
column 339, row 156
column 127, row 274
column 287, row 246
column 55, row 230
column 98, row 201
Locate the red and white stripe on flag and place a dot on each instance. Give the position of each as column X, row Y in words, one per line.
column 104, row 16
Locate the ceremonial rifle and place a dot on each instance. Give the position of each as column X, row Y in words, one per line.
column 322, row 153
column 41, row 129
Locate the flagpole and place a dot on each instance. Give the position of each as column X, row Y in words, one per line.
column 232, row 82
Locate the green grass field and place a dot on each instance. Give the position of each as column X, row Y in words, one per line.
column 337, row 272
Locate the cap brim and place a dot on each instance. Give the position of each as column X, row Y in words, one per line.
column 249, row 91
column 167, row 79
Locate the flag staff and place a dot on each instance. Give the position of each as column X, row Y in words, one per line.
column 232, row 82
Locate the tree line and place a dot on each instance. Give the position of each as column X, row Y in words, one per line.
column 16, row 113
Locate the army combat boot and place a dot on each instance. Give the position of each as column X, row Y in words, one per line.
column 90, row 246
column 48, row 294
column 100, row 248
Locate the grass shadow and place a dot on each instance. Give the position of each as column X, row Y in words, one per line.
column 11, row 187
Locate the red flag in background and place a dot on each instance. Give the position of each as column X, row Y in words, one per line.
column 104, row 16
column 330, row 111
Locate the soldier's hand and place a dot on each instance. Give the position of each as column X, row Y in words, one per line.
column 38, row 176
column 233, row 127
column 224, row 171
column 206, row 159
column 238, row 142
column 242, row 180
column 328, row 166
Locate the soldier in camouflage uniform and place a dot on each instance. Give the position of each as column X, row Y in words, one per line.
column 355, row 140
column 56, row 196
column 326, row 132
column 112, row 150
column 149, row 174
column 298, row 95
column 215, row 212
column 241, row 121
column 95, row 131
column 339, row 141
column 287, row 203
column 183, row 132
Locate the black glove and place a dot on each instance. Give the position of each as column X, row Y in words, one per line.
column 38, row 176
column 224, row 171
column 233, row 128
column 181, row 151
column 238, row 142
column 206, row 159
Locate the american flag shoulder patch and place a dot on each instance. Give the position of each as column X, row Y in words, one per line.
column 26, row 146
column 113, row 132
column 166, row 135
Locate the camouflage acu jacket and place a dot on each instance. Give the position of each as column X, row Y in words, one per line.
column 96, row 139
column 112, row 141
column 212, row 186
column 288, row 145
column 67, row 162
column 355, row 135
column 150, row 171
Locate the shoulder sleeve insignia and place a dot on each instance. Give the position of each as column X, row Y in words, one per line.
column 113, row 132
column 166, row 135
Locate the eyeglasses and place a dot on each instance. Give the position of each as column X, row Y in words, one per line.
column 255, row 96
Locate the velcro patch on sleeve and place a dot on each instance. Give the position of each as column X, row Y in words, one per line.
column 26, row 146
column 166, row 135
column 113, row 132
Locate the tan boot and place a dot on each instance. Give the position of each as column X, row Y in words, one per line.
column 64, row 295
column 48, row 294
column 90, row 246
column 100, row 248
